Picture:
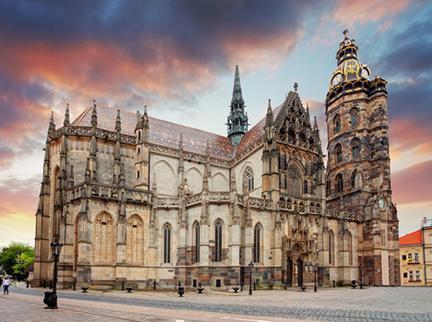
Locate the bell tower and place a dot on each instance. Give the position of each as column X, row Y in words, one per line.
column 237, row 122
column 358, row 164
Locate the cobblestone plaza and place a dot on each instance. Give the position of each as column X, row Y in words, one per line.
column 338, row 304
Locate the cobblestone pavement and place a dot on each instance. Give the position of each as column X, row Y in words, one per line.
column 340, row 304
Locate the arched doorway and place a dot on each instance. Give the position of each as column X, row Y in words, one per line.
column 299, row 272
column 289, row 272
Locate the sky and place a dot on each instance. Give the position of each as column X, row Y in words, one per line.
column 178, row 58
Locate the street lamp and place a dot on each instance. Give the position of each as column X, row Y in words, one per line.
column 251, row 265
column 51, row 297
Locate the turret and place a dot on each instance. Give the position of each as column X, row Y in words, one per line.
column 66, row 121
column 142, row 151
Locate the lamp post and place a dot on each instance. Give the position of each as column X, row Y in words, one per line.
column 251, row 264
column 51, row 297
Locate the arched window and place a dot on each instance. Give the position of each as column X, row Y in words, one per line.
column 331, row 244
column 291, row 136
column 196, row 242
column 294, row 181
column 355, row 148
column 248, row 180
column 135, row 240
column 348, row 247
column 103, row 238
column 356, row 179
column 167, row 243
column 339, row 183
column 354, row 118
column 305, row 186
column 336, row 123
column 257, row 244
column 338, row 153
column 218, row 241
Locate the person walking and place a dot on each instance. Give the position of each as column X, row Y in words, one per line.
column 6, row 283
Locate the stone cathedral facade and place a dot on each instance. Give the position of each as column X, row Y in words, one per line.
column 139, row 200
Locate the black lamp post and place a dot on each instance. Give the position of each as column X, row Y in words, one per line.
column 251, row 265
column 51, row 297
column 315, row 269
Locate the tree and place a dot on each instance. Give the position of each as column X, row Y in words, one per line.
column 16, row 259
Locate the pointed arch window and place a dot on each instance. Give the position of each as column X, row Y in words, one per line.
column 103, row 238
column 305, row 186
column 218, row 241
column 135, row 240
column 167, row 243
column 355, row 148
column 339, row 183
column 356, row 179
column 257, row 244
column 248, row 180
column 294, row 184
column 338, row 153
column 196, row 244
column 336, row 123
column 348, row 247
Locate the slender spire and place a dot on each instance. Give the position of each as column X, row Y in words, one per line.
column 52, row 125
column 154, row 186
column 269, row 116
column 94, row 115
column 295, row 87
column 307, row 109
column 181, row 141
column 233, row 183
column 71, row 178
column 315, row 126
column 118, row 122
column 66, row 121
column 87, row 173
column 237, row 91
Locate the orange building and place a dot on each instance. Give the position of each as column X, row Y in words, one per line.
column 411, row 259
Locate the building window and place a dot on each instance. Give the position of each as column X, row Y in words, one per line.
column 257, row 244
column 404, row 257
column 339, row 183
column 410, row 259
column 411, row 275
column 336, row 123
column 167, row 243
column 135, row 240
column 218, row 241
column 196, row 231
column 103, row 238
column 416, row 258
column 405, row 275
column 355, row 148
column 248, row 180
column 305, row 186
column 418, row 276
column 354, row 118
column 294, row 185
column 338, row 153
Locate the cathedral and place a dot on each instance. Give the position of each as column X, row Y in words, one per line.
column 141, row 201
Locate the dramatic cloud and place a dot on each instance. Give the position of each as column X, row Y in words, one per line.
column 348, row 12
column 413, row 184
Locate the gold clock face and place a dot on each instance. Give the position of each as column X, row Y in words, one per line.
column 336, row 79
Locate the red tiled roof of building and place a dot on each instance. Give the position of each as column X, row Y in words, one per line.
column 168, row 134
column 414, row 238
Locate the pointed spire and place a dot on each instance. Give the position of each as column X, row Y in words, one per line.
column 181, row 141
column 52, row 125
column 94, row 115
column 118, row 122
column 307, row 110
column 295, row 87
column 122, row 175
column 66, row 121
column 315, row 126
column 93, row 146
column 269, row 116
column 233, row 183
column 207, row 152
column 71, row 178
column 139, row 125
column 237, row 91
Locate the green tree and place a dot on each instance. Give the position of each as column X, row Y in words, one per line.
column 16, row 259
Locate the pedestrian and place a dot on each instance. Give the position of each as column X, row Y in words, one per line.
column 6, row 283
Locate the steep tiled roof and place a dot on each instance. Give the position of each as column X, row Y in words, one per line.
column 167, row 133
column 414, row 238
column 161, row 132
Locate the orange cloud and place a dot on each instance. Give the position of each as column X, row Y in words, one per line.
column 413, row 184
column 349, row 12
